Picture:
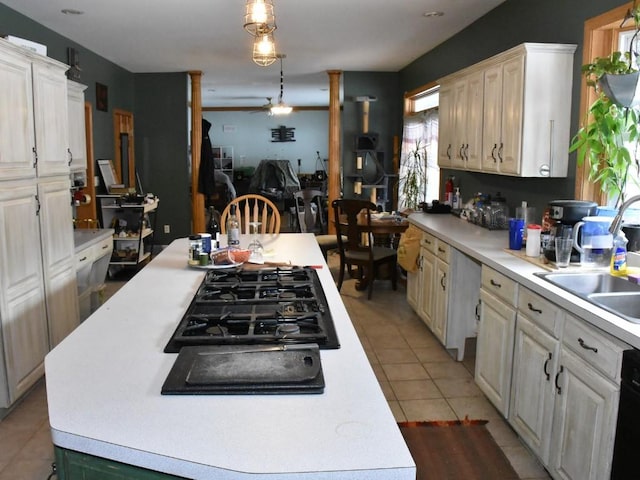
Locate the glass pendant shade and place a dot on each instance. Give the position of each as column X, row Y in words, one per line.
column 281, row 109
column 259, row 18
column 264, row 50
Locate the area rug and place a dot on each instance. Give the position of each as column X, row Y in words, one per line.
column 456, row 450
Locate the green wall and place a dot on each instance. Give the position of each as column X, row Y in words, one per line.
column 512, row 23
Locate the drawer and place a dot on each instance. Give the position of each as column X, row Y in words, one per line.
column 84, row 258
column 442, row 250
column 428, row 241
column 540, row 311
column 601, row 351
column 103, row 248
column 499, row 285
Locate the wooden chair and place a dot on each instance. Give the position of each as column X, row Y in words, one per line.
column 253, row 208
column 310, row 223
column 359, row 251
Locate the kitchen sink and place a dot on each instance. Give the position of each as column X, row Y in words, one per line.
column 614, row 294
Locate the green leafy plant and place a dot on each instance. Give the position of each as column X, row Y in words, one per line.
column 413, row 182
column 610, row 137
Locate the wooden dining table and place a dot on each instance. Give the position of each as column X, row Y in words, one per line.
column 386, row 231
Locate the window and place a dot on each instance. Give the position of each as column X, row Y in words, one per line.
column 419, row 180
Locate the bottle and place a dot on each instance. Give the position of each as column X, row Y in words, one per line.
column 233, row 228
column 619, row 255
column 457, row 201
column 448, row 191
column 213, row 227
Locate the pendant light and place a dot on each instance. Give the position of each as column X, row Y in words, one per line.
column 259, row 18
column 264, row 50
column 281, row 108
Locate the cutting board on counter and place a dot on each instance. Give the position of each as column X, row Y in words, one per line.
column 246, row 369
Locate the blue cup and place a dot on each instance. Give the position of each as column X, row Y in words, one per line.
column 516, row 229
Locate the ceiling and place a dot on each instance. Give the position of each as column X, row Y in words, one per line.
column 145, row 36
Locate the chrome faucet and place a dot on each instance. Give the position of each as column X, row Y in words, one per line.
column 616, row 224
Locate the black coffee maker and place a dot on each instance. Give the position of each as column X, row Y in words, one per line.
column 563, row 215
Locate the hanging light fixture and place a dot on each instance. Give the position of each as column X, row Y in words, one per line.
column 281, row 108
column 264, row 50
column 259, row 18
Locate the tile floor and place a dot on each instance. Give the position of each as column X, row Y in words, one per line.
column 418, row 377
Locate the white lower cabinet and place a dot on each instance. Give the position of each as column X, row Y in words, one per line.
column 444, row 292
column 494, row 348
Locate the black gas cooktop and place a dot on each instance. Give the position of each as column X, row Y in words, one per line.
column 265, row 306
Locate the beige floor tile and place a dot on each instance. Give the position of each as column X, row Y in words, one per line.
column 432, row 354
column 396, row 355
column 379, row 372
column 446, row 370
column 427, row 410
column 396, row 409
column 475, row 408
column 389, row 394
column 405, row 371
column 458, row 387
column 502, row 433
column 415, row 389
column 524, row 463
column 391, row 341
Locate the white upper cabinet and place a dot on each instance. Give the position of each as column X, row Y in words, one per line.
column 33, row 114
column 77, row 140
column 520, row 123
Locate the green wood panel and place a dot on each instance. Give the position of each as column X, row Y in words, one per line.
column 73, row 465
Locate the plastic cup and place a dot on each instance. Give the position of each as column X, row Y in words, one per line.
column 516, row 229
column 563, row 251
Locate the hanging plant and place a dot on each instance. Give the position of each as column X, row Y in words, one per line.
column 608, row 141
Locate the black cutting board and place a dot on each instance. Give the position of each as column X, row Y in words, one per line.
column 246, row 369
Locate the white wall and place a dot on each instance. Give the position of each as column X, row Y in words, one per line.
column 250, row 136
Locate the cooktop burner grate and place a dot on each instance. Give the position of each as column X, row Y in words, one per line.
column 266, row 306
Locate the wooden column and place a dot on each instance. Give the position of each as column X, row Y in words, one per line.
column 197, row 199
column 334, row 142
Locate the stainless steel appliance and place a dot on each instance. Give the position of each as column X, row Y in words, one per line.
column 238, row 315
column 625, row 450
column 563, row 215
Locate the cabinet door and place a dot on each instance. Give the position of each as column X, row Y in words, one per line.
column 58, row 258
column 460, row 91
column 50, row 118
column 445, row 126
column 512, row 112
column 77, row 139
column 414, row 285
column 535, row 358
column 426, row 295
column 473, row 125
column 440, row 296
column 17, row 139
column 23, row 318
column 492, row 118
column 586, row 407
column 495, row 350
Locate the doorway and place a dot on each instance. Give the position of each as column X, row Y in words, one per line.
column 124, row 157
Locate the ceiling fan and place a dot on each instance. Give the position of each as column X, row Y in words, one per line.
column 265, row 108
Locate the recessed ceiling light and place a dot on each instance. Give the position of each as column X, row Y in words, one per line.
column 433, row 14
column 71, row 11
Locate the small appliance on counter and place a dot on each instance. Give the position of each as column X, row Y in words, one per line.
column 563, row 216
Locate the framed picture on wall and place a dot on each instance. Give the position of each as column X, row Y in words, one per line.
column 102, row 97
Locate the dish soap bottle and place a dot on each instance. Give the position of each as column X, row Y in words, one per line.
column 619, row 255
column 233, row 228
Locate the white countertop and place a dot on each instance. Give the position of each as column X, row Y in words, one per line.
column 104, row 381
column 86, row 237
column 488, row 247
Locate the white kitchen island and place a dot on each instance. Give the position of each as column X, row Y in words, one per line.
column 104, row 380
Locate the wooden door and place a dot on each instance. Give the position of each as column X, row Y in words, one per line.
column 124, row 158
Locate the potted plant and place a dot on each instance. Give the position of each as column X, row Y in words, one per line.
column 610, row 137
column 413, row 177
